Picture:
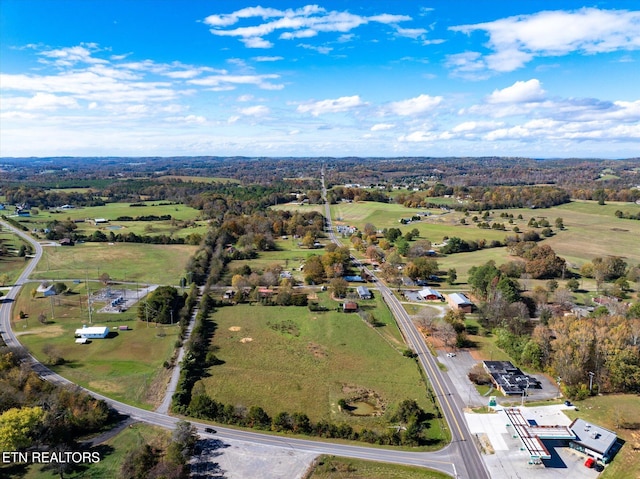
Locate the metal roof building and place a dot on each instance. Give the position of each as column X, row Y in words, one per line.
column 594, row 441
column 92, row 332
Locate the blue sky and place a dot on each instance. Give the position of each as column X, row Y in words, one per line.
column 334, row 78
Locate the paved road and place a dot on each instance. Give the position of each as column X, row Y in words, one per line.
column 175, row 373
column 469, row 463
column 444, row 460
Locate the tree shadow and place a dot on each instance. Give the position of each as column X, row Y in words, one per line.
column 204, row 464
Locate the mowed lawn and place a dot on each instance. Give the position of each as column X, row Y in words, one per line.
column 612, row 411
column 328, row 356
column 144, row 263
column 126, row 366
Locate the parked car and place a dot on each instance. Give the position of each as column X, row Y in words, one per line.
column 451, row 355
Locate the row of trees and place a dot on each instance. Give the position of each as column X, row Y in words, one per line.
column 406, row 425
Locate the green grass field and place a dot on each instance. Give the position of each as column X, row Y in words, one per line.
column 611, row 411
column 111, row 211
column 145, row 263
column 332, row 467
column 330, row 356
column 10, row 264
column 126, row 367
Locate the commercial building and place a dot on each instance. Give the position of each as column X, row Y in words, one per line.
column 592, row 440
column 92, row 332
column 509, row 379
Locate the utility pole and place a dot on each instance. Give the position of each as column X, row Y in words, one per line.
column 86, row 282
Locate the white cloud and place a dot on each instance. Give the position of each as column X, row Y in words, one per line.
column 519, row 92
column 382, row 126
column 267, row 59
column 338, row 105
column 64, row 57
column 475, row 126
column 323, row 50
column 410, row 32
column 257, row 111
column 305, row 22
column 230, row 81
column 415, row 106
column 47, row 101
column 517, row 40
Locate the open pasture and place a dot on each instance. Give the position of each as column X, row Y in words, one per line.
column 131, row 262
column 85, row 216
column 11, row 264
column 126, row 366
column 321, row 358
column 294, row 206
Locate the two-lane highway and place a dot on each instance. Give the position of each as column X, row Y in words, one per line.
column 465, row 454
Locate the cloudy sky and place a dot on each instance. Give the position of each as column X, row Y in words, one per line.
column 337, row 78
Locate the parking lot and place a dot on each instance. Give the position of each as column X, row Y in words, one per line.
column 458, row 368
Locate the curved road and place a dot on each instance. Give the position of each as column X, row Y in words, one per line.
column 468, row 463
column 446, row 460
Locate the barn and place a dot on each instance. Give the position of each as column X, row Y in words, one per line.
column 459, row 302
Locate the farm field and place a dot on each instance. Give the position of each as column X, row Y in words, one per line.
column 179, row 214
column 131, row 262
column 332, row 467
column 313, row 360
column 10, row 264
column 305, row 208
column 613, row 411
column 126, row 366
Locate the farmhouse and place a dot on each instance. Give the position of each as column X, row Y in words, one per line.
column 66, row 242
column 429, row 294
column 594, row 441
column 460, row 302
column 98, row 221
column 364, row 292
column 92, row 332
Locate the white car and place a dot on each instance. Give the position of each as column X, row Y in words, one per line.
column 451, row 355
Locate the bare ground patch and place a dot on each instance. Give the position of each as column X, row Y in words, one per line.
column 246, row 340
column 107, row 387
column 235, row 328
column 45, row 332
column 317, row 351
